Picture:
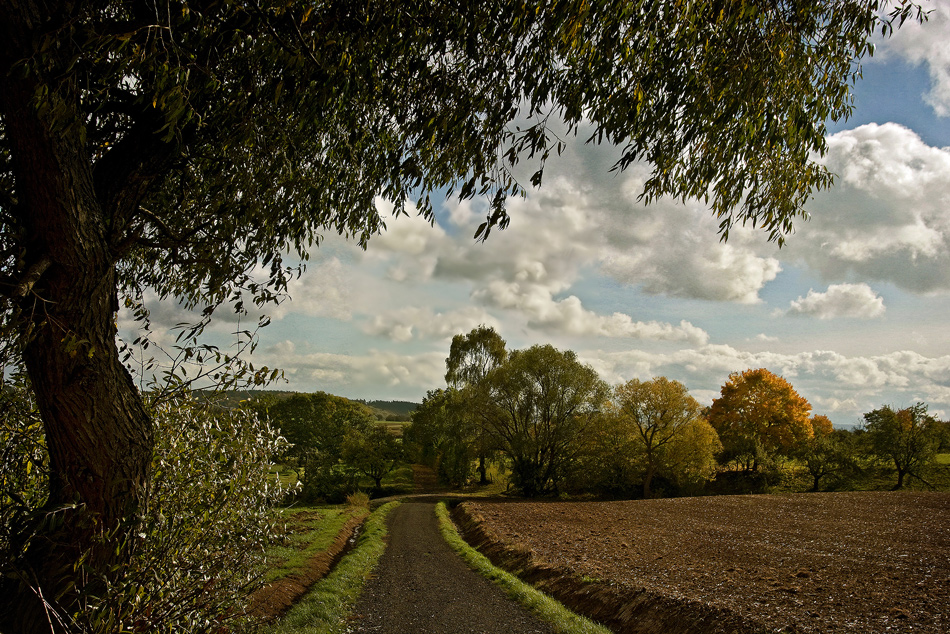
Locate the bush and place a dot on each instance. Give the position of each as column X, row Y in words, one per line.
column 198, row 550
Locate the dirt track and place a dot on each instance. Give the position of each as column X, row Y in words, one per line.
column 421, row 586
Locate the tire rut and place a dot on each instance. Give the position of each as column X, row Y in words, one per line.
column 422, row 587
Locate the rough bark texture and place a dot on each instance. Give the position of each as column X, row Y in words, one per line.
column 97, row 430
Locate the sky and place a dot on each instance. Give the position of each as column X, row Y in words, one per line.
column 852, row 311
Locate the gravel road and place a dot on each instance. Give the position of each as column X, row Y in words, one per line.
column 422, row 587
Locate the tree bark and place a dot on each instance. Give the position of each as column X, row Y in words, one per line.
column 98, row 432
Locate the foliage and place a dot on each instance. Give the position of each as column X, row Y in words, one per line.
column 443, row 436
column 373, row 452
column 324, row 609
column 471, row 359
column 907, row 437
column 690, row 460
column 316, row 426
column 199, row 546
column 830, row 456
column 656, row 412
column 759, row 415
column 542, row 403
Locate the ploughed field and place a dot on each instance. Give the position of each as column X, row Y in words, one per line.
column 867, row 562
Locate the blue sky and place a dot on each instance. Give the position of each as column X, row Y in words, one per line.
column 852, row 311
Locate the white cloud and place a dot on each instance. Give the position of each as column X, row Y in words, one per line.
column 846, row 386
column 375, row 374
column 840, row 300
column 926, row 43
column 406, row 324
column 888, row 216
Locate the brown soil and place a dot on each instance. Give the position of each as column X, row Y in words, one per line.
column 274, row 599
column 812, row 563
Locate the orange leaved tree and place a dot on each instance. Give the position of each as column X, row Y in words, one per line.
column 759, row 414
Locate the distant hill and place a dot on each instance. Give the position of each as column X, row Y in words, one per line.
column 402, row 409
column 384, row 410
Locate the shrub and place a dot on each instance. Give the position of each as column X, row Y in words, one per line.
column 199, row 544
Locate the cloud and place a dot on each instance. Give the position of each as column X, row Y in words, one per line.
column 888, row 216
column 375, row 374
column 846, row 386
column 926, row 43
column 840, row 300
column 410, row 323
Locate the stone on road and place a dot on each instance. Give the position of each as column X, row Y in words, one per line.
column 422, row 587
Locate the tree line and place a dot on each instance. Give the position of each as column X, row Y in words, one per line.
column 556, row 427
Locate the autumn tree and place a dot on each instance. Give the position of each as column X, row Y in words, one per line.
column 656, row 412
column 759, row 414
column 908, row 438
column 471, row 358
column 543, row 403
column 178, row 148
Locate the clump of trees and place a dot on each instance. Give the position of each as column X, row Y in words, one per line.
column 907, row 438
column 556, row 426
column 332, row 442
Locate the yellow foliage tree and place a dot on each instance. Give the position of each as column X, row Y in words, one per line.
column 759, row 413
column 656, row 412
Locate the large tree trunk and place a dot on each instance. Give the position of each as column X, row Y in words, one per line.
column 97, row 429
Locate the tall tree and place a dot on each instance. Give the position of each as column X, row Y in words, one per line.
column 176, row 146
column 542, row 405
column 759, row 413
column 906, row 437
column 657, row 411
column 471, row 358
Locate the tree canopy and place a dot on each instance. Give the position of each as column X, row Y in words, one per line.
column 906, row 437
column 657, row 411
column 182, row 147
column 757, row 412
column 542, row 404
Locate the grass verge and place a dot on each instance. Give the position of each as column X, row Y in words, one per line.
column 323, row 610
column 312, row 530
column 543, row 606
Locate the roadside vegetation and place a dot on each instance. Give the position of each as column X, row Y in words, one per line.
column 323, row 609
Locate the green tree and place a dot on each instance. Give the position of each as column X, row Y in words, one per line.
column 175, row 147
column 829, row 453
column 656, row 411
column 542, row 406
column 316, row 425
column 372, row 452
column 690, row 460
column 758, row 415
column 906, row 437
column 443, row 435
column 471, row 358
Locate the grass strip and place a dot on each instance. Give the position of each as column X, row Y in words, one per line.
column 543, row 606
column 313, row 530
column 323, row 610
